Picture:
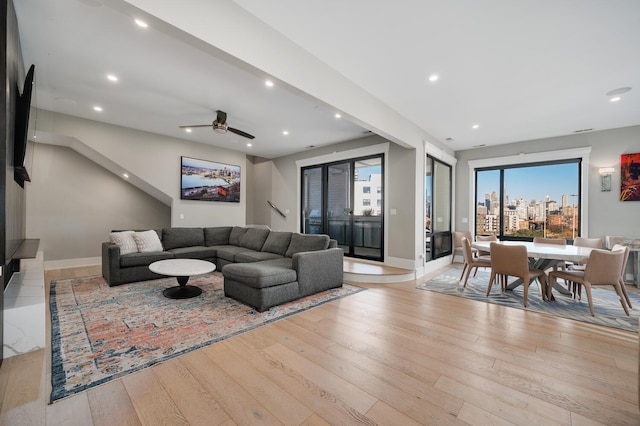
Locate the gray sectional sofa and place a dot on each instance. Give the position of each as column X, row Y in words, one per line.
column 261, row 268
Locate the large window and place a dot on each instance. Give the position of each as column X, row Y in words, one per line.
column 438, row 209
column 522, row 201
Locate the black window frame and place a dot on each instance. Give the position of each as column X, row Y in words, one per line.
column 501, row 236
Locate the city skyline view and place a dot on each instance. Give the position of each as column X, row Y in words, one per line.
column 532, row 183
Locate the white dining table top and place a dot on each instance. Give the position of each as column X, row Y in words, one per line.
column 543, row 251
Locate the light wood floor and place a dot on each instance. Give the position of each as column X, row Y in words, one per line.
column 391, row 355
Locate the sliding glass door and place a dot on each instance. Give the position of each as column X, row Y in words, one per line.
column 345, row 200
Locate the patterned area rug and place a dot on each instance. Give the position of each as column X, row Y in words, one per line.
column 607, row 307
column 100, row 333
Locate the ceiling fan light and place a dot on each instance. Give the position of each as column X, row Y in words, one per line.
column 220, row 130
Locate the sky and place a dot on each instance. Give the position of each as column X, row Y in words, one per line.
column 532, row 182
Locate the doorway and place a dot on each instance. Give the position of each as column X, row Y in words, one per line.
column 345, row 200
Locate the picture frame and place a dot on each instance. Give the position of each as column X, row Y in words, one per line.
column 630, row 177
column 204, row 180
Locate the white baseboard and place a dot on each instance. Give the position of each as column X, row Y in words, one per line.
column 72, row 263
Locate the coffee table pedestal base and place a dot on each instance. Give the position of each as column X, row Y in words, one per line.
column 183, row 291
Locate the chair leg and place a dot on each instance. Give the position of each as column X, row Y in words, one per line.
column 493, row 277
column 464, row 268
column 467, row 277
column 624, row 291
column 526, row 282
column 587, row 288
column 621, row 297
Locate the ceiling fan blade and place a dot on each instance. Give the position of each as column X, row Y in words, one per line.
column 240, row 132
column 222, row 117
column 195, row 125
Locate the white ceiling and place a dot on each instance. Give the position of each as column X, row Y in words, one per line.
column 520, row 70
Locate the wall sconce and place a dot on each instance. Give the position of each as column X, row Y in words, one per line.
column 605, row 178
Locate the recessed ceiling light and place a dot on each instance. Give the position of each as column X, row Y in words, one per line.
column 615, row 99
column 112, row 77
column 475, row 126
column 268, row 83
column 187, row 130
column 618, row 91
column 249, row 144
column 433, row 77
column 285, row 132
column 338, row 115
column 141, row 23
column 97, row 108
column 126, row 176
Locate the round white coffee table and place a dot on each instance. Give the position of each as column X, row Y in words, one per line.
column 182, row 269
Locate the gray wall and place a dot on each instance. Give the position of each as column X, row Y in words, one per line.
column 73, row 204
column 607, row 215
column 71, row 218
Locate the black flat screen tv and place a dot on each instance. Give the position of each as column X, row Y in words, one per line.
column 204, row 180
column 23, row 107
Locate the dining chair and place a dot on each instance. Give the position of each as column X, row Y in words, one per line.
column 512, row 261
column 543, row 240
column 603, row 268
column 471, row 262
column 596, row 243
column 557, row 264
column 485, row 238
column 457, row 244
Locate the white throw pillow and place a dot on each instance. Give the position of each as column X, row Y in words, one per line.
column 147, row 241
column 125, row 241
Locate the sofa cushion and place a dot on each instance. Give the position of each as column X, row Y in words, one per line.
column 147, row 241
column 194, row 252
column 217, row 236
column 182, row 237
column 229, row 252
column 236, row 233
column 254, row 256
column 258, row 275
column 254, row 238
column 125, row 241
column 307, row 242
column 277, row 242
column 282, row 262
column 143, row 259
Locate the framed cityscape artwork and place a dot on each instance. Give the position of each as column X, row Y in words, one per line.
column 630, row 177
column 209, row 181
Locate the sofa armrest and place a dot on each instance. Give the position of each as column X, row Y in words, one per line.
column 111, row 263
column 318, row 270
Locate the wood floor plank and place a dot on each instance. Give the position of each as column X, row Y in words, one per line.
column 71, row 411
column 384, row 414
column 151, row 401
column 279, row 402
column 331, row 408
column 231, row 396
column 111, row 406
column 191, row 398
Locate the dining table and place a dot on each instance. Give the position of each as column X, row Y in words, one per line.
column 542, row 256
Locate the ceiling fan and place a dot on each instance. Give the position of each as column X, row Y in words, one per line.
column 220, row 126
